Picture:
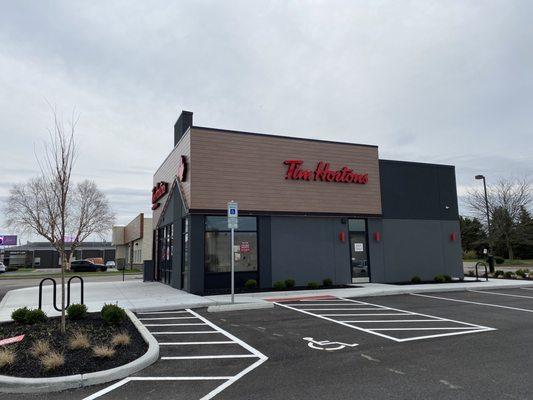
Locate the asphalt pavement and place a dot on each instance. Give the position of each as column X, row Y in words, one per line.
column 445, row 345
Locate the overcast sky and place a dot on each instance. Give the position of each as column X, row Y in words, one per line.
column 434, row 81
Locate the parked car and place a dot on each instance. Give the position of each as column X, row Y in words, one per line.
column 2, row 267
column 86, row 266
column 110, row 264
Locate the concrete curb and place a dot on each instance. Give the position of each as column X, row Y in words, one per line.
column 10, row 384
column 240, row 306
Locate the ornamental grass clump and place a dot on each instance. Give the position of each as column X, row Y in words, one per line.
column 121, row 339
column 79, row 340
column 52, row 360
column 7, row 358
column 102, row 351
column 40, row 348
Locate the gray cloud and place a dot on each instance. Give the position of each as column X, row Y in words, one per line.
column 446, row 82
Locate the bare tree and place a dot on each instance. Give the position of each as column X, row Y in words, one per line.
column 507, row 198
column 54, row 207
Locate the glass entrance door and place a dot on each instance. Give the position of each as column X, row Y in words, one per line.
column 358, row 251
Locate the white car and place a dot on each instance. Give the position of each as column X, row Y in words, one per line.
column 110, row 264
column 2, row 267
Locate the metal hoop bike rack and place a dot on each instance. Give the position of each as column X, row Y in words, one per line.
column 54, row 288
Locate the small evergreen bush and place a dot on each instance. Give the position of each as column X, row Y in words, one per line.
column 327, row 282
column 416, row 279
column 499, row 260
column 447, row 278
column 290, row 283
column 76, row 311
column 508, row 275
column 19, row 315
column 113, row 314
column 498, row 273
column 439, row 279
column 250, row 284
column 279, row 285
column 313, row 285
column 35, row 316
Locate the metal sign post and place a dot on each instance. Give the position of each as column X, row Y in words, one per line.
column 233, row 223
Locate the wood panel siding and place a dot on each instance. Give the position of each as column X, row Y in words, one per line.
column 249, row 169
column 168, row 170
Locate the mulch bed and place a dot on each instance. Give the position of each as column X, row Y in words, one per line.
column 76, row 361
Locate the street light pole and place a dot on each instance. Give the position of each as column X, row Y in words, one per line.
column 489, row 256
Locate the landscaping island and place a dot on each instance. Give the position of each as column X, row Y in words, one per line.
column 92, row 342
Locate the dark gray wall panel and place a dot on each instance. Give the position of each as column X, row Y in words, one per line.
column 418, row 191
column 420, row 247
column 265, row 251
column 376, row 259
column 196, row 275
column 308, row 249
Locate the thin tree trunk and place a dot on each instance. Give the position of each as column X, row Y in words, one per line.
column 63, row 319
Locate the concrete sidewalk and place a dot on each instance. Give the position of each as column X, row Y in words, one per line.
column 149, row 296
column 378, row 289
column 134, row 295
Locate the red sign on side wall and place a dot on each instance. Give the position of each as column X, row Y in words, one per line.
column 245, row 247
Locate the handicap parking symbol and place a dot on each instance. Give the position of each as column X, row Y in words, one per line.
column 326, row 344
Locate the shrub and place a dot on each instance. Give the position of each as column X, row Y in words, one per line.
column 77, row 311
column 7, row 357
column 250, row 284
column 113, row 314
column 508, row 275
column 447, row 278
column 290, row 283
column 470, row 255
column 19, row 315
column 279, row 285
column 521, row 273
column 121, row 339
column 416, row 279
column 52, row 360
column 79, row 340
column 103, row 351
column 313, row 285
column 327, row 282
column 40, row 348
column 439, row 279
column 498, row 273
column 35, row 316
column 499, row 260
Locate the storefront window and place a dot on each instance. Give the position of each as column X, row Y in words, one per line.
column 218, row 243
column 164, row 252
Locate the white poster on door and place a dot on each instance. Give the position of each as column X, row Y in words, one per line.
column 358, row 247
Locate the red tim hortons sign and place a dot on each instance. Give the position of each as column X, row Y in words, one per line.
column 158, row 191
column 323, row 173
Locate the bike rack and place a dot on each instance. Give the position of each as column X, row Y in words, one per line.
column 486, row 272
column 55, row 291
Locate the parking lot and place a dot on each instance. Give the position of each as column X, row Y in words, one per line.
column 446, row 345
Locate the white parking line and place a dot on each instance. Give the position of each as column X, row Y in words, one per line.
column 194, row 343
column 472, row 302
column 501, row 294
column 209, row 357
column 183, row 333
column 165, row 318
column 463, row 328
column 228, row 380
column 187, row 324
column 344, row 309
column 163, row 312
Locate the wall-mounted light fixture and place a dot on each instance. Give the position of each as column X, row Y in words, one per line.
column 377, row 236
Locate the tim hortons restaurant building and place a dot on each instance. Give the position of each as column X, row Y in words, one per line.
column 308, row 210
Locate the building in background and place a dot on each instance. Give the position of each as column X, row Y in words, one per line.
column 43, row 255
column 308, row 210
column 133, row 242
